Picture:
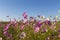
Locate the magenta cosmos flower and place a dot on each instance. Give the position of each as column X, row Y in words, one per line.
column 6, row 27
column 25, row 15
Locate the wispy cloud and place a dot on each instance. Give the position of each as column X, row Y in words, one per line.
column 59, row 11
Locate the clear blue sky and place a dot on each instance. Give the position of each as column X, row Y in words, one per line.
column 15, row 8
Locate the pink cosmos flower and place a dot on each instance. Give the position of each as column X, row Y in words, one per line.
column 21, row 27
column 25, row 15
column 5, row 33
column 9, row 36
column 36, row 29
column 15, row 24
column 6, row 28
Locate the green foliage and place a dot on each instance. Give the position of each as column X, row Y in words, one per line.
column 30, row 34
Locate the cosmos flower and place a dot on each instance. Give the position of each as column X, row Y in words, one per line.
column 49, row 23
column 25, row 15
column 36, row 29
column 22, row 35
column 6, row 28
column 5, row 33
column 9, row 36
column 52, row 27
column 47, row 38
column 59, row 31
column 39, row 24
column 53, row 23
column 27, row 23
column 0, row 38
column 21, row 27
column 47, row 19
column 59, row 35
column 15, row 22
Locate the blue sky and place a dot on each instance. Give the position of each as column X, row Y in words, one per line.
column 15, row 8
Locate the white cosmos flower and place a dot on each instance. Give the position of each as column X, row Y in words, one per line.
column 0, row 38
column 22, row 35
column 47, row 19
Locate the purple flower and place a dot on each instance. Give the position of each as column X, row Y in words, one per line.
column 49, row 23
column 59, row 30
column 6, row 28
column 39, row 24
column 25, row 15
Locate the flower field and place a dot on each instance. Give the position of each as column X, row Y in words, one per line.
column 31, row 28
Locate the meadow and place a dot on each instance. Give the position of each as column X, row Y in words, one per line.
column 30, row 29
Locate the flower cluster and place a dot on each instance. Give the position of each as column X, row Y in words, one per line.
column 31, row 28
